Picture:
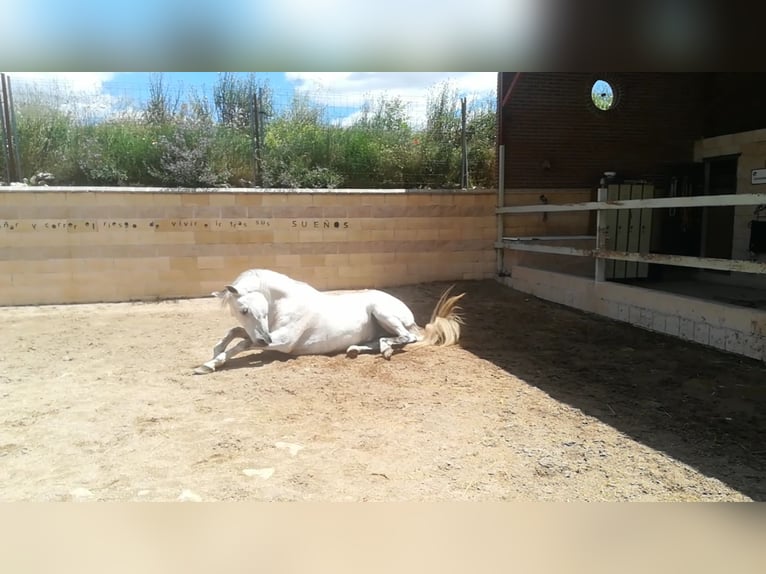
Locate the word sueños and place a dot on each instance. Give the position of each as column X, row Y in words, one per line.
column 318, row 224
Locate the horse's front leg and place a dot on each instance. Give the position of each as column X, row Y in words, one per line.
column 221, row 358
column 282, row 341
column 233, row 333
column 221, row 355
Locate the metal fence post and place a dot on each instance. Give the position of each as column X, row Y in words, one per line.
column 500, row 251
column 601, row 232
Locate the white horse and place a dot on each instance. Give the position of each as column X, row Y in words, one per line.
column 278, row 313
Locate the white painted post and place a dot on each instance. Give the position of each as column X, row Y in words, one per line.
column 500, row 203
column 601, row 232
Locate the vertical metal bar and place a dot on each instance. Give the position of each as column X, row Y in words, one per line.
column 260, row 113
column 257, row 173
column 622, row 231
column 253, row 135
column 610, row 222
column 8, row 144
column 601, row 232
column 646, row 231
column 5, row 132
column 500, row 203
column 14, row 132
column 634, row 230
column 705, row 212
column 463, row 145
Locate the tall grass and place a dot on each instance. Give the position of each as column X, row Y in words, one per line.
column 199, row 143
column 45, row 128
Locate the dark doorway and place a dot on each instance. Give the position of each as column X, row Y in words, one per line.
column 718, row 222
column 681, row 227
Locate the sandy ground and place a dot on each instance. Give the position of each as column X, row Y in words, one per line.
column 539, row 402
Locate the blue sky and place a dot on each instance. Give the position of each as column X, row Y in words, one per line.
column 340, row 92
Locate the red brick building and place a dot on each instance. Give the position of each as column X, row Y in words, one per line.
column 555, row 137
column 669, row 134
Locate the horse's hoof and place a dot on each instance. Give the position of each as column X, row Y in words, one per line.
column 387, row 354
column 352, row 353
column 203, row 370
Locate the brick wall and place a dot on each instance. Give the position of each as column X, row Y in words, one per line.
column 550, row 120
column 734, row 102
column 552, row 224
column 65, row 245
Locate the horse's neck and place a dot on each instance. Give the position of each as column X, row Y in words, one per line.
column 276, row 286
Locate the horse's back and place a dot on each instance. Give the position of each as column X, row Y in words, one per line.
column 333, row 320
column 376, row 302
column 324, row 322
column 271, row 282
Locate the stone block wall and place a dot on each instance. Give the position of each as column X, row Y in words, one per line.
column 73, row 245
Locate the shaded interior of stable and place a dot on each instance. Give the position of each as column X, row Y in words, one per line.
column 666, row 135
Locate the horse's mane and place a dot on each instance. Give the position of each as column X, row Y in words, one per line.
column 275, row 279
column 226, row 297
column 253, row 279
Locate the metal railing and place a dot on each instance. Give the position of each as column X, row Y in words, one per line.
column 602, row 254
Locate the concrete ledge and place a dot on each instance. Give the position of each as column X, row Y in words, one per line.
column 239, row 190
column 730, row 328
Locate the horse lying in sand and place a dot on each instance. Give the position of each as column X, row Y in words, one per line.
column 278, row 313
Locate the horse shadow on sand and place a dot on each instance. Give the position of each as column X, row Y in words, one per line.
column 256, row 359
column 702, row 407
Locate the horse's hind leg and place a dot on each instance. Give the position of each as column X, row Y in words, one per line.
column 388, row 344
column 370, row 347
column 395, row 326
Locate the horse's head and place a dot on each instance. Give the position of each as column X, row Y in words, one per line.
column 251, row 310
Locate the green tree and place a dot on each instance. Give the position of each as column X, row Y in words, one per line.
column 379, row 143
column 296, row 148
column 185, row 159
column 162, row 106
column 437, row 160
column 481, row 133
column 45, row 125
column 117, row 152
column 240, row 130
column 233, row 99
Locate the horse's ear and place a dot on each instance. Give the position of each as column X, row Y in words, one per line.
column 232, row 289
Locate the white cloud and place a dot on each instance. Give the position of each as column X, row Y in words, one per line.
column 406, row 84
column 348, row 120
column 349, row 89
column 81, row 93
column 75, row 81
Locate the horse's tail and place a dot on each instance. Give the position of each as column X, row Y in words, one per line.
column 444, row 327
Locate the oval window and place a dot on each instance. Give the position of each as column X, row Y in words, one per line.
column 602, row 95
